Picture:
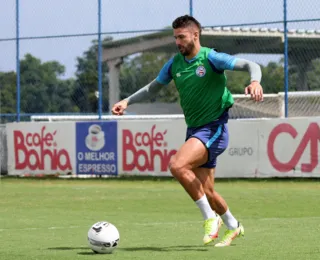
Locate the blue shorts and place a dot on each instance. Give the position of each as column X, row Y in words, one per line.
column 214, row 136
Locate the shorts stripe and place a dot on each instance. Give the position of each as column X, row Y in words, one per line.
column 213, row 138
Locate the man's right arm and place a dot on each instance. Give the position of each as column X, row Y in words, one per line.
column 145, row 93
column 151, row 89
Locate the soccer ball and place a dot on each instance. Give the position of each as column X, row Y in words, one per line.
column 103, row 237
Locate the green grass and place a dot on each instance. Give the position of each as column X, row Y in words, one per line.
column 49, row 219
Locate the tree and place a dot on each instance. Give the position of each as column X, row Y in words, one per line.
column 142, row 69
column 272, row 79
column 84, row 94
column 237, row 81
column 314, row 75
column 7, row 92
column 41, row 89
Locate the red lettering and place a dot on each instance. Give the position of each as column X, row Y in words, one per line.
column 34, row 154
column 47, row 139
column 158, row 138
column 145, row 139
column 137, row 138
column 36, row 139
column 19, row 147
column 127, row 143
column 28, row 139
column 312, row 136
column 145, row 148
column 27, row 156
column 142, row 156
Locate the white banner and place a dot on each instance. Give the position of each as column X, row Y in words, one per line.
column 41, row 148
column 145, row 147
column 257, row 148
column 241, row 157
column 289, row 148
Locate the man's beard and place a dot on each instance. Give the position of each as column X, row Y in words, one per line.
column 185, row 51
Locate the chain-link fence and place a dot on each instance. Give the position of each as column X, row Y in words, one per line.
column 55, row 55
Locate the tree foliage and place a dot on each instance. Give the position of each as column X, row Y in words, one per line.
column 139, row 71
column 41, row 89
column 44, row 91
column 86, row 85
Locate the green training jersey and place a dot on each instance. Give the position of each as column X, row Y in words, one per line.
column 201, row 83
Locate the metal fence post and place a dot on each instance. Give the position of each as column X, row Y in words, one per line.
column 286, row 58
column 18, row 61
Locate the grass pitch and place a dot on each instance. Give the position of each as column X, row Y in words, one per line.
column 49, row 219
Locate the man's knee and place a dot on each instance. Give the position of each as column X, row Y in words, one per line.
column 177, row 167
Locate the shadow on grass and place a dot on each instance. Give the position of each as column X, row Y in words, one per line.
column 87, row 253
column 139, row 249
column 86, row 250
column 61, row 248
column 165, row 248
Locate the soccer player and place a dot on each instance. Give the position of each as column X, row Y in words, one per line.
column 198, row 74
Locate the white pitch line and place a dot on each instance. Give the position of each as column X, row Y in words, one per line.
column 157, row 223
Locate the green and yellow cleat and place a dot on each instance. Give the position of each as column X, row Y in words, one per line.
column 211, row 229
column 230, row 235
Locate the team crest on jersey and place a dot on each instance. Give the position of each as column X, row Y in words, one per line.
column 201, row 71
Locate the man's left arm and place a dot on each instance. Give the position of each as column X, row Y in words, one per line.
column 252, row 67
column 223, row 61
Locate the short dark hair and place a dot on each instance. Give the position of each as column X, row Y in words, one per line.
column 184, row 21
